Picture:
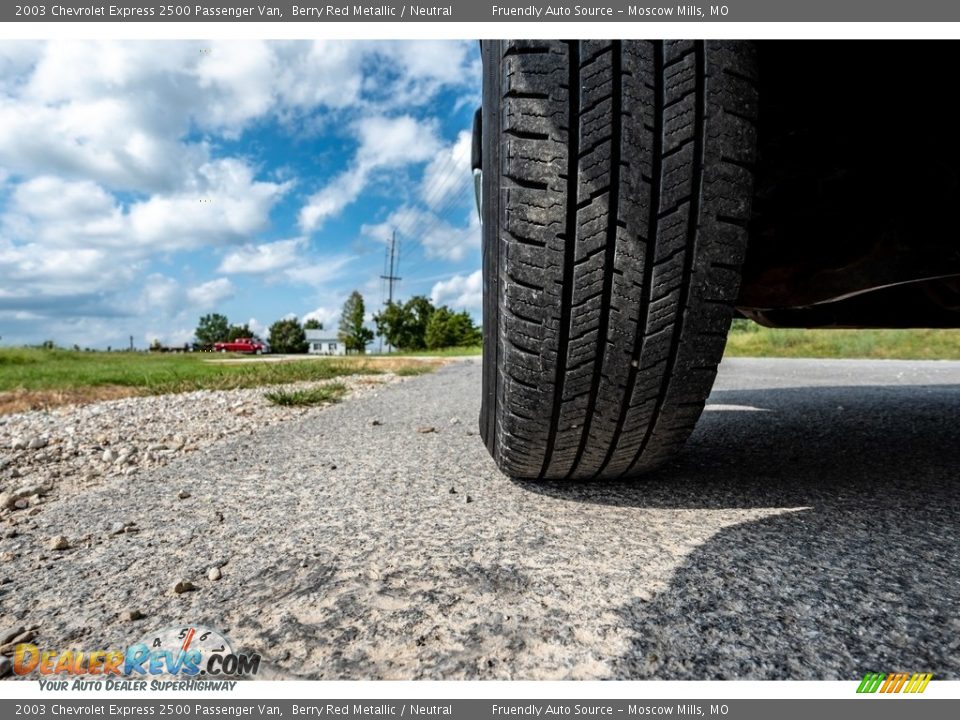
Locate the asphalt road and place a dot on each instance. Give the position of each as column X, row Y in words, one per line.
column 809, row 530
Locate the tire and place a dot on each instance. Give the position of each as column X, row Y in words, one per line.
column 614, row 228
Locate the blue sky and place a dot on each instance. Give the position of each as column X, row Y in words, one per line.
column 143, row 184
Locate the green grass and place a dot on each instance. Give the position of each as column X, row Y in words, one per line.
column 747, row 339
column 32, row 369
column 309, row 397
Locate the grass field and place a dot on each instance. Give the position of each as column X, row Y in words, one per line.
column 34, row 378
column 747, row 339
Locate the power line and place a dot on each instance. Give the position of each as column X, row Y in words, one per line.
column 391, row 278
column 443, row 216
column 445, row 193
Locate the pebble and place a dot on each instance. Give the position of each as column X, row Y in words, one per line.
column 38, row 443
column 131, row 615
column 375, row 423
column 469, row 498
column 182, row 586
column 59, row 542
column 28, row 490
column 183, row 494
column 25, row 636
column 426, row 429
column 110, row 455
column 9, row 633
column 214, row 573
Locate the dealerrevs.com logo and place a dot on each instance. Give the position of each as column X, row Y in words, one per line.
column 176, row 658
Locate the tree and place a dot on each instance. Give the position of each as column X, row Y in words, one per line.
column 449, row 329
column 287, row 336
column 213, row 328
column 353, row 334
column 389, row 322
column 313, row 324
column 405, row 326
column 240, row 331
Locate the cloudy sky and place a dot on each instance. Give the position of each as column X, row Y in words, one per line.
column 143, row 184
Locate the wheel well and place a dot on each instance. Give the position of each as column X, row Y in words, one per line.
column 853, row 218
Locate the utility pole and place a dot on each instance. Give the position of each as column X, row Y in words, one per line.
column 391, row 278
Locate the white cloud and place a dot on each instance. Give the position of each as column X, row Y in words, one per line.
column 210, row 294
column 55, row 213
column 461, row 292
column 225, row 205
column 166, row 298
column 170, row 337
column 35, row 276
column 162, row 294
column 385, row 143
column 119, row 113
column 319, row 272
column 448, row 173
column 258, row 328
column 439, row 238
column 265, row 258
column 329, row 316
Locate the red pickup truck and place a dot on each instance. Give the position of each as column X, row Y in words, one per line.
column 241, row 345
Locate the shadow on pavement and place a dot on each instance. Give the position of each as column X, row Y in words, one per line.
column 864, row 576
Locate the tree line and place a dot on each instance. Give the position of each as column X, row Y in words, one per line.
column 414, row 325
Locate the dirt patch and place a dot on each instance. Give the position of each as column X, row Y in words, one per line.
column 390, row 364
column 15, row 401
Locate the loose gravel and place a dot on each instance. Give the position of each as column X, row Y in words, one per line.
column 45, row 454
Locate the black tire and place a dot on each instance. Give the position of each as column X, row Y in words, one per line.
column 612, row 251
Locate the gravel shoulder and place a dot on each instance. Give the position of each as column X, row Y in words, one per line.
column 71, row 449
column 808, row 531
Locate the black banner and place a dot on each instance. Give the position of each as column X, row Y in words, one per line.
column 473, row 11
column 874, row 708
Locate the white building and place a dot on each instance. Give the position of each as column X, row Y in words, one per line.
column 319, row 344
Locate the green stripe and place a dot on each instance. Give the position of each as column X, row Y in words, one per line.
column 871, row 682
